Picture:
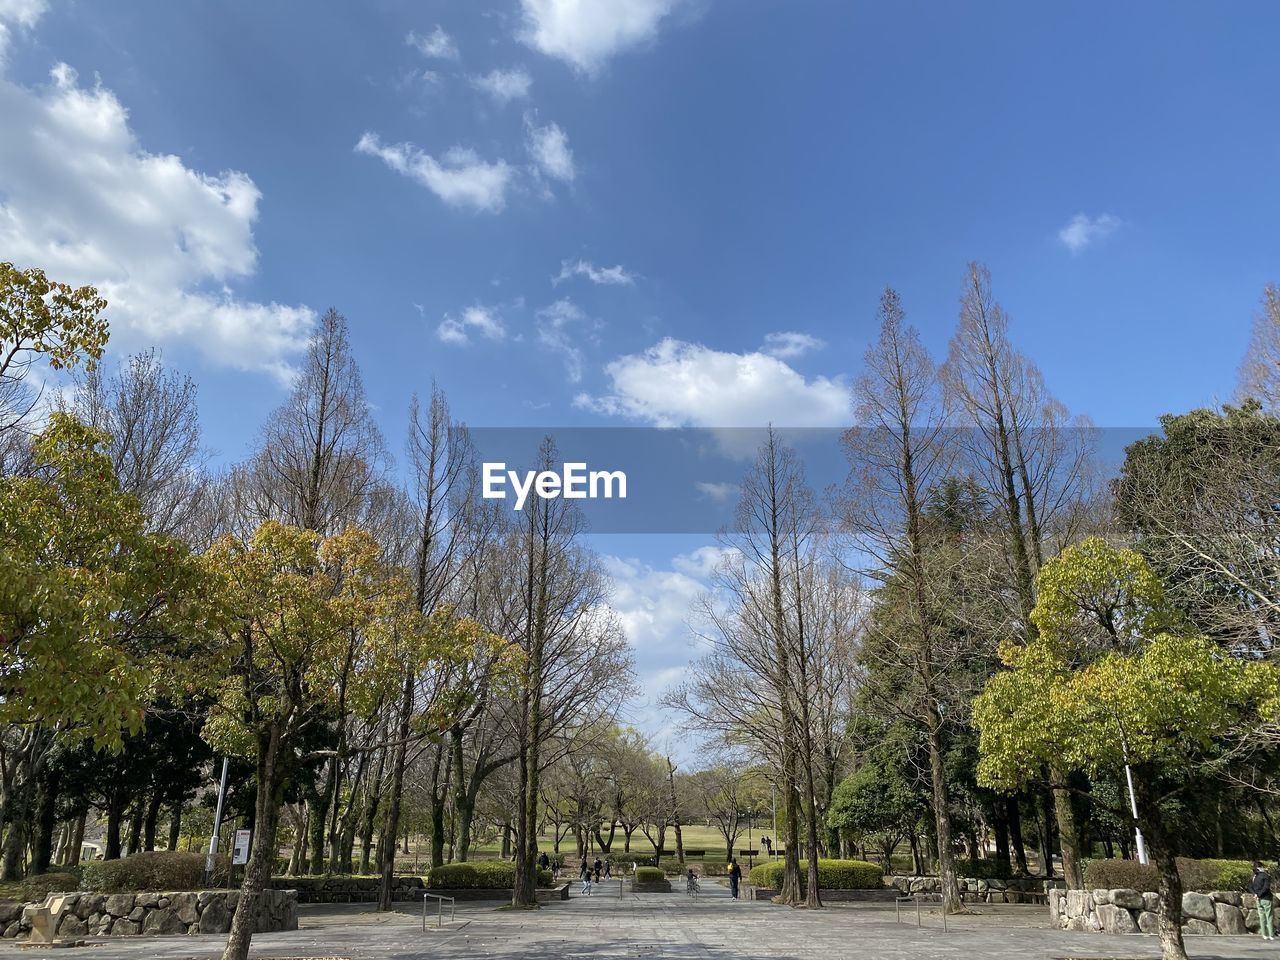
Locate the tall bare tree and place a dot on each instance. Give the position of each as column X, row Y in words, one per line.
column 899, row 449
column 1033, row 460
column 1260, row 368
column 152, row 417
column 321, row 456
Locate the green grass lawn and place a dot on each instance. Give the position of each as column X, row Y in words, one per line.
column 696, row 837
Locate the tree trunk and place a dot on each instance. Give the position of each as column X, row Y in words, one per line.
column 950, row 888
column 1068, row 836
column 136, row 815
column 175, row 826
column 1013, row 811
column 77, row 841
column 150, row 821
column 390, row 830
column 257, row 874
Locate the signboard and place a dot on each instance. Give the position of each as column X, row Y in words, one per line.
column 240, row 853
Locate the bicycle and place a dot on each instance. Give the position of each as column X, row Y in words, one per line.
column 691, row 886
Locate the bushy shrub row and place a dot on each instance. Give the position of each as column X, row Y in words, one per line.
column 158, row 870
column 832, row 874
column 40, row 885
column 479, row 875
column 649, row 875
column 1203, row 875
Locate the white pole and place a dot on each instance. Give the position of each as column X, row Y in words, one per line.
column 210, row 860
column 1133, row 806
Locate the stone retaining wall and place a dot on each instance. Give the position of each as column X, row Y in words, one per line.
column 133, row 914
column 349, row 889
column 883, row 895
column 1222, row 912
column 1013, row 890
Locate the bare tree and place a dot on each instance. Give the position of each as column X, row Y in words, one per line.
column 1033, row 461
column 898, row 450
column 1260, row 368
column 151, row 414
column 321, row 456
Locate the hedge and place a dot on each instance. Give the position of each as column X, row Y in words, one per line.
column 649, row 875
column 479, row 875
column 157, row 870
column 1203, row 875
column 40, row 885
column 832, row 875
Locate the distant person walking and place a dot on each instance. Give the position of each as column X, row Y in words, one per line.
column 544, row 862
column 598, row 868
column 585, row 873
column 608, row 869
column 735, row 876
column 1260, row 887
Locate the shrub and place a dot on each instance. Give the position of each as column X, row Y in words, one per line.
column 1121, row 874
column 714, row 868
column 649, row 875
column 37, row 887
column 832, row 875
column 479, row 875
column 158, row 870
column 1202, row 875
column 672, row 867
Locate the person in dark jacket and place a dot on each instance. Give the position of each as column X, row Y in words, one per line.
column 1260, row 887
column 544, row 862
column 735, row 876
column 598, row 867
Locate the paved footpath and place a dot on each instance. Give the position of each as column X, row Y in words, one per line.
column 713, row 927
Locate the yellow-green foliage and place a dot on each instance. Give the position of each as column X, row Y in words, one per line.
column 1172, row 701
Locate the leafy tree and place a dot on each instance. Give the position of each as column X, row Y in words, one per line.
column 878, row 806
column 1110, row 681
column 1202, row 499
column 95, row 612
column 42, row 318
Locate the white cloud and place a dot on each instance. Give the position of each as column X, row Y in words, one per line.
column 676, row 383
column 560, row 329
column 457, row 328
column 549, row 148
column 790, row 344
column 23, row 14
column 504, row 85
column 80, row 197
column 1082, row 231
column 585, row 33
column 719, row 492
column 654, row 606
column 460, row 178
column 437, row 44
column 609, row 276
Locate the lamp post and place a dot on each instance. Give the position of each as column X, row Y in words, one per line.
column 1133, row 799
column 211, row 860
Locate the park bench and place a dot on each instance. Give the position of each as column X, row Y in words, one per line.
column 44, row 917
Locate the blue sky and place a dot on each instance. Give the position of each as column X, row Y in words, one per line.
column 638, row 212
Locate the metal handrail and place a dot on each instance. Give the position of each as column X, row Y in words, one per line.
column 916, row 898
column 453, row 905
